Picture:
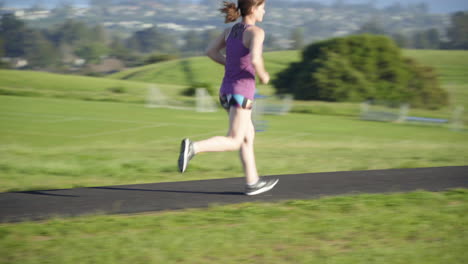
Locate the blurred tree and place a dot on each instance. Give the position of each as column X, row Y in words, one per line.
column 133, row 43
column 427, row 39
column 2, row 49
column 92, row 52
column 66, row 53
column 2, row 53
column 39, row 51
column 458, row 31
column 401, row 40
column 3, row 65
column 75, row 38
column 152, row 40
column 119, row 51
column 99, row 34
column 117, row 47
column 433, row 37
column 420, row 40
column 297, row 38
column 71, row 32
column 13, row 32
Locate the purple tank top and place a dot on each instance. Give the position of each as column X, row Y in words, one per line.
column 239, row 76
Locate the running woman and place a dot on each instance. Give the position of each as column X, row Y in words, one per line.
column 243, row 60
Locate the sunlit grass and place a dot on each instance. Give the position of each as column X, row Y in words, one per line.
column 56, row 143
column 50, row 143
column 417, row 227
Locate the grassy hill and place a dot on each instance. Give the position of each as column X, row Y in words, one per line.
column 173, row 76
column 200, row 70
column 451, row 66
column 42, row 84
column 30, row 83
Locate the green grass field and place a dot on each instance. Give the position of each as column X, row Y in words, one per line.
column 58, row 143
column 69, row 131
column 417, row 228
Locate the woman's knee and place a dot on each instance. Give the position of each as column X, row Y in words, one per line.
column 241, row 130
column 237, row 141
column 249, row 136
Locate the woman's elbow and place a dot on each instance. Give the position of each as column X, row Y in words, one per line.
column 210, row 52
column 256, row 62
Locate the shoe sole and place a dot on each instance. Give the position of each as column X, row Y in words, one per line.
column 183, row 155
column 262, row 190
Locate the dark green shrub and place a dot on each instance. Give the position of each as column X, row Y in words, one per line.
column 358, row 68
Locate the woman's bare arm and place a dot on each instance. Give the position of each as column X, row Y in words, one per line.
column 214, row 49
column 256, row 49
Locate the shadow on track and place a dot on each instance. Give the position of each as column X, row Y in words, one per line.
column 47, row 193
column 168, row 191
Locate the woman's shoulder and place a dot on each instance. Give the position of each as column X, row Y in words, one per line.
column 256, row 30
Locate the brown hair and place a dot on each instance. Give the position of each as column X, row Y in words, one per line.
column 243, row 8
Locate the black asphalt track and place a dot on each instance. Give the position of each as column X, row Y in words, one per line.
column 37, row 205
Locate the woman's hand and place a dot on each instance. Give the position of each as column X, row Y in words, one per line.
column 265, row 78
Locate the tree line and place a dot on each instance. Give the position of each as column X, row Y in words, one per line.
column 58, row 46
column 55, row 47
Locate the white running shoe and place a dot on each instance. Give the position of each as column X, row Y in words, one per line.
column 261, row 186
column 186, row 154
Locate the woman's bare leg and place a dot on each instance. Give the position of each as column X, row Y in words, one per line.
column 240, row 137
column 239, row 120
column 247, row 156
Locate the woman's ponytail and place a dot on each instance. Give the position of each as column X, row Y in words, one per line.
column 231, row 11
